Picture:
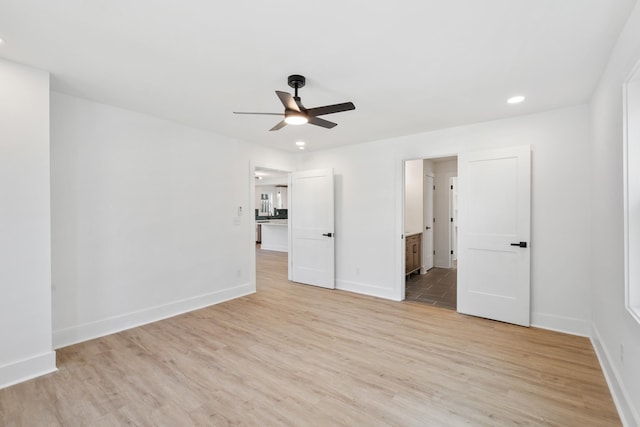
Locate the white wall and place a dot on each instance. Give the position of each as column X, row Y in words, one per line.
column 367, row 231
column 428, row 168
column 413, row 196
column 274, row 190
column 282, row 197
column 443, row 171
column 144, row 217
column 616, row 335
column 25, row 226
column 368, row 207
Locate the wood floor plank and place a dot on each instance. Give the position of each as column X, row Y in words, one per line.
column 299, row 355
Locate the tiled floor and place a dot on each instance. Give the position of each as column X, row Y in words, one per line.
column 437, row 287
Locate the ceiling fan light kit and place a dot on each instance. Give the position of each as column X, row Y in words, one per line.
column 295, row 118
column 297, row 114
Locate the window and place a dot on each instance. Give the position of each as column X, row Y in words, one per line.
column 632, row 191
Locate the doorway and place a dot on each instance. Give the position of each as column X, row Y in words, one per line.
column 270, row 216
column 430, row 214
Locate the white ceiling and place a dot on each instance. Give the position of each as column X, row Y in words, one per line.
column 270, row 176
column 409, row 66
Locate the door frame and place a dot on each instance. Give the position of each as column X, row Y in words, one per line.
column 425, row 254
column 251, row 220
column 400, row 288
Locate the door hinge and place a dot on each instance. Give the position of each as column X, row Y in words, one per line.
column 451, row 219
column 434, row 251
column 452, row 187
column 434, row 187
column 451, row 252
column 434, row 219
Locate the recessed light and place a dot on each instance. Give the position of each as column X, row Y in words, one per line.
column 515, row 99
column 300, row 143
column 1, row 41
column 301, row 147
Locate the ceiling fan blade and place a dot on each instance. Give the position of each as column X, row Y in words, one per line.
column 321, row 122
column 279, row 125
column 330, row 109
column 288, row 101
column 262, row 114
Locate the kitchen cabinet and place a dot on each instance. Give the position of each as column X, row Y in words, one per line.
column 413, row 253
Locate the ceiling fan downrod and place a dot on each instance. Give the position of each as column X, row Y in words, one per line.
column 296, row 81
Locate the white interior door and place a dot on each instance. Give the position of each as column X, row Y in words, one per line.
column 494, row 189
column 427, row 241
column 453, row 199
column 311, row 222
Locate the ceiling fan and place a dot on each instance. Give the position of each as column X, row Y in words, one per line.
column 297, row 114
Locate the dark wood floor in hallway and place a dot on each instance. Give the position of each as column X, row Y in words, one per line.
column 296, row 355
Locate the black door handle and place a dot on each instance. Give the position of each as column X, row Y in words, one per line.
column 521, row 244
column 328, row 234
column 428, row 228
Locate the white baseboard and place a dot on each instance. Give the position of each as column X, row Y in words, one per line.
column 567, row 325
column 100, row 328
column 366, row 289
column 628, row 414
column 27, row 369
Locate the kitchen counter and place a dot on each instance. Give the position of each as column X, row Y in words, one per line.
column 275, row 235
column 273, row 221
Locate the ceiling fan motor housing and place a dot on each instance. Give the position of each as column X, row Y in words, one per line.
column 296, row 81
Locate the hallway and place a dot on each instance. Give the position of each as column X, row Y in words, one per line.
column 437, row 287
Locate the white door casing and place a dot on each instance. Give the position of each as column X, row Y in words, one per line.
column 427, row 241
column 311, row 223
column 494, row 189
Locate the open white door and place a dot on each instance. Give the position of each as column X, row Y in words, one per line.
column 453, row 200
column 427, row 241
column 311, row 221
column 494, row 190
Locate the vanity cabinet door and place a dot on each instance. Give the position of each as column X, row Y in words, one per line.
column 408, row 258
column 413, row 257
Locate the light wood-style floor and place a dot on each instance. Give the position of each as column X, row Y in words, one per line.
column 298, row 355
